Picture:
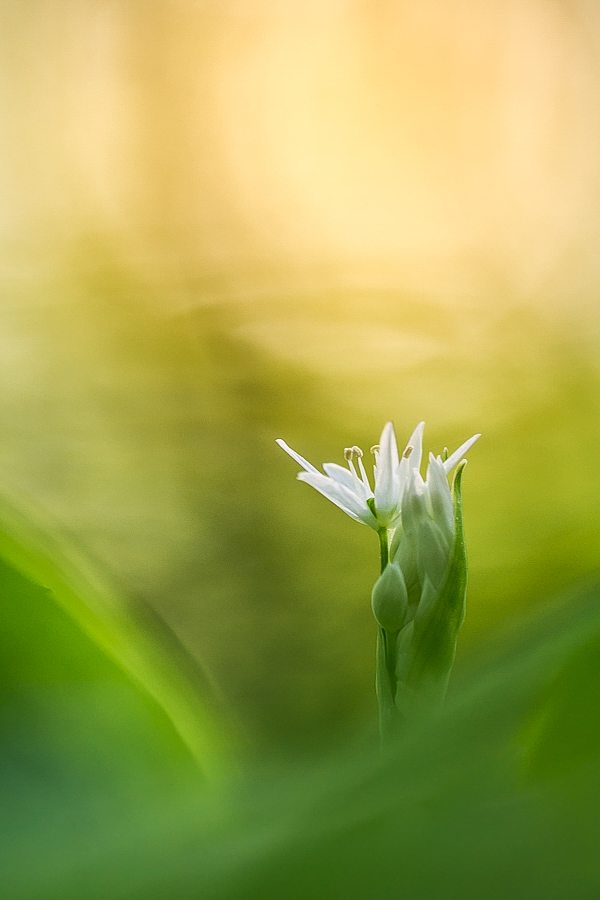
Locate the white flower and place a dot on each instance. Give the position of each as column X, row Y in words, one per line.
column 400, row 491
column 424, row 543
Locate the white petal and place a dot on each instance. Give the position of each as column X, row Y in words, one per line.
column 440, row 498
column 414, row 502
column 349, row 479
column 299, row 459
column 365, row 480
column 416, row 442
column 347, row 501
column 403, row 476
column 386, row 482
column 458, row 454
column 359, row 486
column 340, row 474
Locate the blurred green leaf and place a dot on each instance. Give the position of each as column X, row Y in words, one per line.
column 100, row 724
column 71, row 650
column 61, row 623
column 456, row 810
column 562, row 735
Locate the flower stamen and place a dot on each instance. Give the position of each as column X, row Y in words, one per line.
column 362, row 481
column 364, row 476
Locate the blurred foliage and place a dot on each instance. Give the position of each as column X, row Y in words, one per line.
column 64, row 630
column 147, row 432
column 496, row 795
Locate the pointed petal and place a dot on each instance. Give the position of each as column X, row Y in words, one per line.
column 347, row 501
column 416, row 442
column 458, row 454
column 403, row 476
column 340, row 474
column 414, row 501
column 386, row 482
column 299, row 459
column 440, row 497
column 358, row 486
column 365, row 480
column 348, row 479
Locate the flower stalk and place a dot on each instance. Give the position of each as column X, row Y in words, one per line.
column 384, row 547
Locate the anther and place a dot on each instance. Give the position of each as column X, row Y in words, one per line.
column 349, row 454
column 357, row 452
column 407, row 452
column 374, row 449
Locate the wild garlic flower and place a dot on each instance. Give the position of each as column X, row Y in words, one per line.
column 399, row 489
column 423, row 543
column 419, row 599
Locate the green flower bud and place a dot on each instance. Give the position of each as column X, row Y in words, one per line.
column 389, row 599
column 429, row 597
column 415, row 506
column 404, row 553
column 439, row 616
column 433, row 553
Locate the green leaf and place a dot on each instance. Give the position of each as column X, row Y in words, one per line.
column 59, row 593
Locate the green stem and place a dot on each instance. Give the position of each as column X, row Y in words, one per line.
column 384, row 549
column 386, row 660
column 386, row 685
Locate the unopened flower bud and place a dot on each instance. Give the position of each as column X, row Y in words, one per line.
column 389, row 599
column 404, row 553
column 433, row 553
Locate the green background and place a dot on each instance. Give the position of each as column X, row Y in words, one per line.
column 225, row 222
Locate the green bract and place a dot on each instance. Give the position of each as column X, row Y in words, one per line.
column 424, row 662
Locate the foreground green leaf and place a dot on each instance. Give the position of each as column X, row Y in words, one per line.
column 479, row 800
column 59, row 592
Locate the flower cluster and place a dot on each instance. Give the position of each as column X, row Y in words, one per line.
column 400, row 495
column 419, row 598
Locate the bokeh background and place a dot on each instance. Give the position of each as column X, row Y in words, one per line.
column 227, row 221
